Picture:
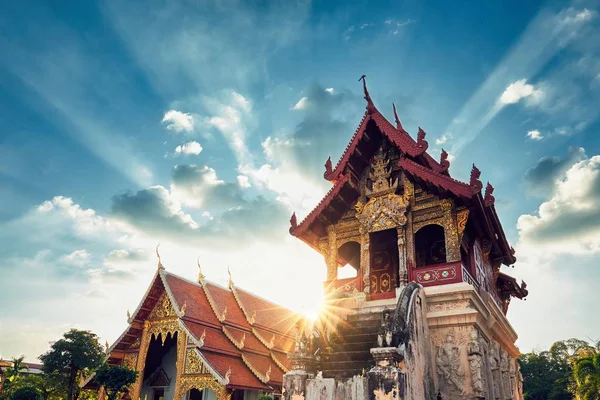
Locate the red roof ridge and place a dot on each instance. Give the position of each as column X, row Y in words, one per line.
column 457, row 187
column 279, row 364
column 300, row 228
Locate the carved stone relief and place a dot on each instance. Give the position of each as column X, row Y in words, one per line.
column 450, row 368
column 476, row 364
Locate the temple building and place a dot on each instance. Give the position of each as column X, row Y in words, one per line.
column 201, row 341
column 424, row 317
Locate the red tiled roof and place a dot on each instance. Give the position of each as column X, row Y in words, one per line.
column 197, row 305
column 224, row 300
column 221, row 339
column 268, row 314
column 261, row 365
column 240, row 377
column 281, row 342
column 282, row 359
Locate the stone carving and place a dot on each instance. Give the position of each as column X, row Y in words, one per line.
column 519, row 382
column 495, row 367
column 449, row 367
column 455, row 305
column 512, row 371
column 384, row 338
column 475, row 355
column 504, row 369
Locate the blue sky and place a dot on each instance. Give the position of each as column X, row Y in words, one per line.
column 203, row 125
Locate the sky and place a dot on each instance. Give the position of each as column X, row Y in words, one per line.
column 203, row 125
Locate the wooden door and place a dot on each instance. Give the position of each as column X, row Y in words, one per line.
column 383, row 265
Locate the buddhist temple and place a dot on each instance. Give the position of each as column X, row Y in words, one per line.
column 201, row 341
column 424, row 317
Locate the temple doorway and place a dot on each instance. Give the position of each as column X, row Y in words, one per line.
column 349, row 251
column 384, row 264
column 160, row 370
column 204, row 394
column 430, row 245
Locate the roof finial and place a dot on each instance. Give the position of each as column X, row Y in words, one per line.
column 489, row 199
column 421, row 142
column 107, row 346
column 474, row 182
column 328, row 168
column 228, row 374
column 200, row 274
column 444, row 162
column 159, row 265
column 398, row 123
column 293, row 221
column 128, row 315
column 370, row 105
column 230, row 284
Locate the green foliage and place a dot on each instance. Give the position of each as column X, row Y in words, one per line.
column 586, row 375
column 265, row 396
column 569, row 367
column 26, row 393
column 14, row 371
column 74, row 356
column 116, row 380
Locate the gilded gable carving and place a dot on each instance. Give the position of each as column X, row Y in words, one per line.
column 163, row 308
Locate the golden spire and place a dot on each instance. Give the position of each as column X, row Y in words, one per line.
column 230, row 284
column 200, row 274
column 159, row 265
column 128, row 315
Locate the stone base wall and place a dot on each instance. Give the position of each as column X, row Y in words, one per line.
column 460, row 346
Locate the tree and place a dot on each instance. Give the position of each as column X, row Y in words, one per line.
column 26, row 393
column 74, row 356
column 13, row 372
column 50, row 386
column 116, row 380
column 545, row 377
column 586, row 376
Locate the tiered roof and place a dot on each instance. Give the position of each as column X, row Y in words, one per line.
column 233, row 330
column 417, row 164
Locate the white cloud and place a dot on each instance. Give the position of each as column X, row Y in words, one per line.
column 189, row 148
column 178, row 121
column 78, row 258
column 330, row 90
column 569, row 222
column 444, row 138
column 301, row 104
column 519, row 90
column 573, row 16
column 243, row 181
column 231, row 116
column 535, row 135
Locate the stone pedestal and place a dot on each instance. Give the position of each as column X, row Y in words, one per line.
column 295, row 381
column 386, row 380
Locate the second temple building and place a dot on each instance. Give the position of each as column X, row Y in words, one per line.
column 423, row 318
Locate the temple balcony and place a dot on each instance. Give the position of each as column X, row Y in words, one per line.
column 443, row 274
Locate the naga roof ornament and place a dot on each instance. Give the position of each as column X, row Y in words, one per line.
column 474, row 182
column 489, row 199
column 230, row 283
column 444, row 163
column 422, row 144
column 293, row 221
column 370, row 105
column 328, row 168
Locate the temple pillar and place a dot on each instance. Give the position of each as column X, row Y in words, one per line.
column 386, row 379
column 180, row 363
column 452, row 241
column 409, row 247
column 331, row 258
column 402, row 269
column 141, row 361
column 365, row 262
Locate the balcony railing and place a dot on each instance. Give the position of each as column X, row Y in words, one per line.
column 343, row 287
column 443, row 274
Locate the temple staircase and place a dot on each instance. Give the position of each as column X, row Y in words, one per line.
column 351, row 347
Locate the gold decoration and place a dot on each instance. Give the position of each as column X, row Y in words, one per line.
column 447, row 221
column 200, row 274
column 187, row 383
column 252, row 318
column 272, row 342
column 224, row 314
column 230, row 283
column 461, row 222
column 136, row 343
column 193, row 363
column 268, row 374
column 163, row 308
column 130, row 360
column 228, row 374
column 183, row 307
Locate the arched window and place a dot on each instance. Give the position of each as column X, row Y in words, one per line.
column 349, row 252
column 430, row 245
